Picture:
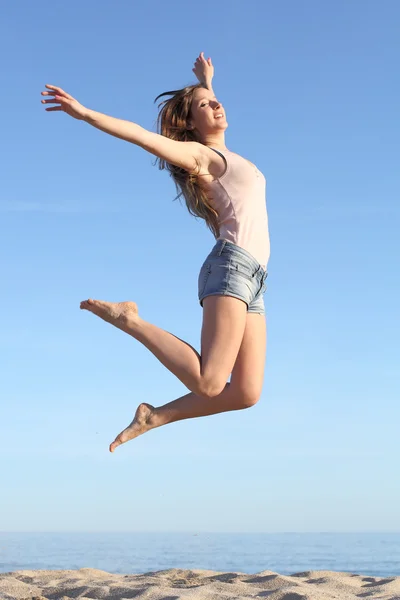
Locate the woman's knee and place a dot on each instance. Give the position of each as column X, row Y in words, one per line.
column 248, row 397
column 211, row 387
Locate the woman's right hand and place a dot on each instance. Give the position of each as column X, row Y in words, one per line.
column 204, row 70
column 65, row 103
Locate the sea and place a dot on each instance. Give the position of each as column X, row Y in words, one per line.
column 373, row 554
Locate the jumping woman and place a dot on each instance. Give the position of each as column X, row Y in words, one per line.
column 228, row 192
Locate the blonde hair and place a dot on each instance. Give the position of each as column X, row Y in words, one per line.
column 173, row 122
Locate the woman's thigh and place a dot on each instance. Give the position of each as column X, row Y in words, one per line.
column 224, row 323
column 248, row 372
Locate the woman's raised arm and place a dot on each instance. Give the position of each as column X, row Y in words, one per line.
column 187, row 155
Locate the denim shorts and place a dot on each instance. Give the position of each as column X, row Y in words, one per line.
column 229, row 270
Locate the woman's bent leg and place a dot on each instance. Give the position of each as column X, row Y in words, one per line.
column 242, row 392
column 224, row 321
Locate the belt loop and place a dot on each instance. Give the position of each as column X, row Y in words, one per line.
column 222, row 247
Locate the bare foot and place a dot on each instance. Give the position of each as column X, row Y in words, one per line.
column 139, row 425
column 119, row 314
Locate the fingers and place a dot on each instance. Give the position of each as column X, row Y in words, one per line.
column 207, row 61
column 54, row 87
column 54, row 96
column 56, row 100
column 201, row 64
column 201, row 58
column 57, row 90
column 62, row 102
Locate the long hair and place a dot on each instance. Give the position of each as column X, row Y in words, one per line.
column 173, row 122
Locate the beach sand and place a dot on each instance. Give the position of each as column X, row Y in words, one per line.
column 177, row 584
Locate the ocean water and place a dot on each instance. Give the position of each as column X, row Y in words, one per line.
column 372, row 554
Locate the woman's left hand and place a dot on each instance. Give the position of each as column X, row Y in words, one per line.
column 66, row 102
column 204, row 70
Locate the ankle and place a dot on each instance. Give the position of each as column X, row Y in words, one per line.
column 132, row 324
column 155, row 418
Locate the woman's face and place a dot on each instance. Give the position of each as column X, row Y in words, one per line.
column 207, row 114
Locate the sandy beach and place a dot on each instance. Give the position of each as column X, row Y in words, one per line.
column 176, row 584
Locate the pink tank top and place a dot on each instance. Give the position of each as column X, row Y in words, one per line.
column 239, row 197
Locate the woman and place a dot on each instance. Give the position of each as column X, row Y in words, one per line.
column 228, row 192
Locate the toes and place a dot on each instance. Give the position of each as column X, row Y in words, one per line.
column 87, row 303
column 91, row 304
column 115, row 444
column 101, row 304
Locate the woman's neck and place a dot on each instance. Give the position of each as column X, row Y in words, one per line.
column 215, row 141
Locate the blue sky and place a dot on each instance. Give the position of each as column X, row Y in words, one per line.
column 311, row 91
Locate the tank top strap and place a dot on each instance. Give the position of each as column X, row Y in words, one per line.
column 218, row 152
column 222, row 154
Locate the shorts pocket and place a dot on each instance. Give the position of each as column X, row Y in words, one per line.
column 203, row 277
column 242, row 269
